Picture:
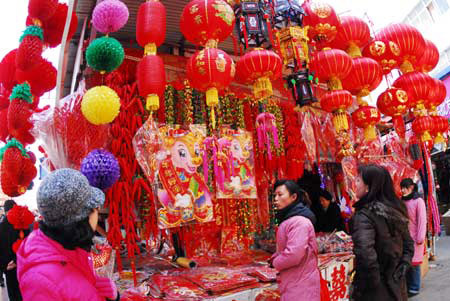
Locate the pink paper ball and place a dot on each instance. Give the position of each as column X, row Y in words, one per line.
column 110, row 16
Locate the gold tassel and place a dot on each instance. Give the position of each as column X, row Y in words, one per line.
column 340, row 121
column 152, row 102
column 406, row 67
column 213, row 117
column 334, row 83
column 370, row 133
column 426, row 136
column 353, row 50
column 262, row 88
column 150, row 48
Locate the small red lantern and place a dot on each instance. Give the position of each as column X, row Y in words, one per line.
column 409, row 40
column 418, row 86
column 429, row 59
column 150, row 33
column 353, row 34
column 259, row 67
column 365, row 76
column 337, row 102
column 41, row 77
column 394, row 102
column 210, row 70
column 440, row 127
column 207, row 20
column 331, row 65
column 366, row 117
column 422, row 126
column 322, row 21
column 438, row 95
column 385, row 52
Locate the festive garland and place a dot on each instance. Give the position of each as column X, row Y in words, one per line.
column 188, row 111
column 169, row 101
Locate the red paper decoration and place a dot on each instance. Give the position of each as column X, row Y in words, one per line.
column 41, row 10
column 429, row 58
column 20, row 217
column 42, row 77
column 337, row 102
column 331, row 66
column 151, row 23
column 394, row 102
column 151, row 80
column 419, row 87
column 365, row 75
column 409, row 40
column 385, row 52
column 422, row 126
column 207, row 20
column 259, row 67
column 30, row 51
column 8, row 70
column 353, row 34
column 322, row 21
column 440, row 127
column 366, row 117
column 437, row 96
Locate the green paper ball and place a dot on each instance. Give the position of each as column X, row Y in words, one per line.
column 105, row 54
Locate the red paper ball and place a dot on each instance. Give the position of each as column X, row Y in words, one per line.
column 204, row 20
column 42, row 77
column 365, row 75
column 258, row 63
column 331, row 64
column 353, row 34
column 29, row 52
column 393, row 102
column 151, row 76
column 151, row 23
column 423, row 126
column 418, row 85
column 337, row 100
column 42, row 9
column 385, row 52
column 322, row 21
column 8, row 70
column 20, row 217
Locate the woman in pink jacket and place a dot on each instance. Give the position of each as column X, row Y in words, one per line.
column 296, row 256
column 53, row 263
column 417, row 228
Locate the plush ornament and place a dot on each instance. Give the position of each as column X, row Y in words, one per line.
column 17, row 169
column 101, row 168
column 8, row 70
column 30, row 49
column 42, row 77
column 100, row 105
column 19, row 113
column 20, row 217
column 54, row 27
column 41, row 10
column 105, row 54
column 110, row 16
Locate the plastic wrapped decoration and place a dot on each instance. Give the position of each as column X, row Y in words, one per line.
column 67, row 136
column 19, row 113
column 30, row 49
column 100, row 105
column 17, row 169
column 110, row 16
column 105, row 54
column 20, row 218
column 101, row 168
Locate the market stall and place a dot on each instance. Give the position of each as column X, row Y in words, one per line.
column 187, row 144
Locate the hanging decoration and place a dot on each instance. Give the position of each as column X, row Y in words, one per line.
column 105, row 54
column 21, row 219
column 100, row 105
column 110, row 16
column 41, row 10
column 30, row 48
column 331, row 66
column 352, row 36
column 301, row 83
column 429, row 58
column 19, row 113
column 387, row 53
column 253, row 23
column 322, row 21
column 101, row 169
column 265, row 128
column 422, row 126
column 288, row 13
column 41, row 78
column 394, row 102
column 292, row 44
column 366, row 117
column 440, row 126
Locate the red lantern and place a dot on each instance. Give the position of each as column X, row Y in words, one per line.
column 210, row 70
column 440, row 127
column 41, row 10
column 422, row 126
column 151, row 25
column 418, row 86
column 259, row 67
column 20, row 217
column 331, row 65
column 337, row 102
column 322, row 21
column 365, row 76
column 437, row 96
column 409, row 40
column 366, row 117
column 42, row 77
column 207, row 20
column 8, row 70
column 353, row 34
column 429, row 59
column 151, row 80
column 385, row 52
column 394, row 102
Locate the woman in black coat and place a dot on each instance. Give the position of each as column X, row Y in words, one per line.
column 382, row 244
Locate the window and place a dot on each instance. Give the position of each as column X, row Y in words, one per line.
column 442, row 5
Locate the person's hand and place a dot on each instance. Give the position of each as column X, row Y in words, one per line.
column 106, row 288
column 400, row 271
column 11, row 265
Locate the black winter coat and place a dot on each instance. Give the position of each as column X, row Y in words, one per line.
column 8, row 236
column 381, row 244
column 329, row 220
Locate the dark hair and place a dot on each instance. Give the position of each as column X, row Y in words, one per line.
column 292, row 187
column 325, row 194
column 8, row 205
column 72, row 236
column 381, row 187
column 408, row 182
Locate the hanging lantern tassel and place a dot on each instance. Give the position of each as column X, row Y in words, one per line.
column 262, row 88
column 370, row 133
column 212, row 99
column 340, row 121
column 152, row 102
column 399, row 126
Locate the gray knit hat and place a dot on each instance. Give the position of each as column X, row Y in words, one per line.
column 65, row 197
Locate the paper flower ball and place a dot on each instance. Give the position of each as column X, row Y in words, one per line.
column 110, row 16
column 105, row 54
column 100, row 105
column 101, row 168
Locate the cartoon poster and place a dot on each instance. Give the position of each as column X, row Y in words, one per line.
column 236, row 165
column 183, row 195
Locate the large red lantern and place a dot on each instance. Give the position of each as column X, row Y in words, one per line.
column 385, row 52
column 337, row 102
column 437, row 96
column 418, row 86
column 423, row 126
column 322, row 21
column 409, row 40
column 259, row 67
column 353, row 34
column 394, row 102
column 366, row 117
column 150, row 33
column 365, row 76
column 331, row 65
column 429, row 59
column 210, row 70
column 207, row 20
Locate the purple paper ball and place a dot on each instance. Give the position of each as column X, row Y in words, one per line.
column 110, row 16
column 101, row 168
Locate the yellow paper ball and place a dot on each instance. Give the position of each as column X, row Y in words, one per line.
column 100, row 105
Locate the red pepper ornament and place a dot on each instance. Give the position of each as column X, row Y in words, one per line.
column 19, row 112
column 30, row 49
